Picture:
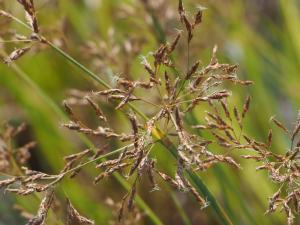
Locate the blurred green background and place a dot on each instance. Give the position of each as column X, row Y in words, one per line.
column 109, row 37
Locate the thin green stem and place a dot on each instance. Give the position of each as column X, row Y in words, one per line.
column 98, row 158
column 8, row 15
column 79, row 65
column 15, row 41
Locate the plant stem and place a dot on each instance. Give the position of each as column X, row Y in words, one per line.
column 98, row 158
column 79, row 65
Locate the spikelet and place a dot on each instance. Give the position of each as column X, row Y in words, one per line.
column 74, row 217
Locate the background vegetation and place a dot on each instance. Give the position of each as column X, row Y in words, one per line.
column 110, row 36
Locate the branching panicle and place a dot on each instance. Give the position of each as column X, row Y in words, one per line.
column 171, row 95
